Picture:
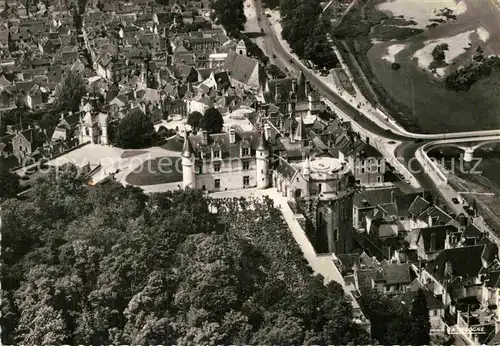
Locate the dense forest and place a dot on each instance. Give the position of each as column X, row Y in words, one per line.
column 108, row 264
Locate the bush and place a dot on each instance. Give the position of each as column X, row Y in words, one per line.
column 395, row 66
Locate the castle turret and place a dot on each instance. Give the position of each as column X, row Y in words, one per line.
column 262, row 158
column 306, row 168
column 188, row 173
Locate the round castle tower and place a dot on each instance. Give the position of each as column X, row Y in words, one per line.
column 188, row 173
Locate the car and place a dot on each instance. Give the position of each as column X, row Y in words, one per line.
column 25, row 177
column 455, row 200
column 268, row 15
column 290, row 61
column 261, row 29
column 391, row 142
column 274, row 56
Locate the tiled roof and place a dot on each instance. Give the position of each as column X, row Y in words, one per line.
column 438, row 233
column 245, row 70
column 393, row 273
column 468, row 268
column 418, row 206
column 221, row 141
column 285, row 169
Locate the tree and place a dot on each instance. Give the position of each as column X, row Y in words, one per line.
column 438, row 52
column 9, row 182
column 420, row 324
column 134, row 131
column 231, row 15
column 275, row 72
column 212, row 121
column 194, row 120
column 70, row 91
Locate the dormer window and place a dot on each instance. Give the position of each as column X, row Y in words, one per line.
column 217, row 154
column 245, row 151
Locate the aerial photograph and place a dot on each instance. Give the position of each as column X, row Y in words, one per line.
column 250, row 172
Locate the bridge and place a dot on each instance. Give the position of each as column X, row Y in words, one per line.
column 470, row 144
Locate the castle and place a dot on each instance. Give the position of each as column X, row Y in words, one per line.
column 238, row 160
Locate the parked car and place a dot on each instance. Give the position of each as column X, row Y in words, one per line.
column 268, row 15
column 455, row 200
column 261, row 29
column 290, row 61
column 274, row 56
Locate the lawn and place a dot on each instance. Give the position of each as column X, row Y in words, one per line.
column 161, row 170
column 131, row 153
column 174, row 144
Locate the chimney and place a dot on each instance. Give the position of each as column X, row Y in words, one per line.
column 204, row 137
column 277, row 93
column 448, row 269
column 232, row 135
column 432, row 246
column 308, row 88
column 267, row 131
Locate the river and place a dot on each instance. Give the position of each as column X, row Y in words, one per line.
column 437, row 109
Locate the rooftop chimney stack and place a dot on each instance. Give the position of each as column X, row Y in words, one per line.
column 204, row 137
column 232, row 135
column 277, row 93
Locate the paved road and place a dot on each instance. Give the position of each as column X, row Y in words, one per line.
column 272, row 45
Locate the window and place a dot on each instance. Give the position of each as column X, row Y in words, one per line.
column 245, row 152
column 362, row 170
column 216, row 166
column 379, row 161
column 246, row 165
column 216, row 154
column 336, row 234
column 200, row 169
column 246, row 180
column 217, row 183
column 306, row 143
column 379, row 180
column 378, row 169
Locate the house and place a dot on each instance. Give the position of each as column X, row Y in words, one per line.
column 34, row 98
column 66, row 131
column 177, row 107
column 93, row 128
column 26, row 144
column 199, row 104
column 245, row 71
column 393, row 278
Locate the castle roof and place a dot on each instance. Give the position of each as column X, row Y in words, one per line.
column 187, row 149
column 263, row 144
